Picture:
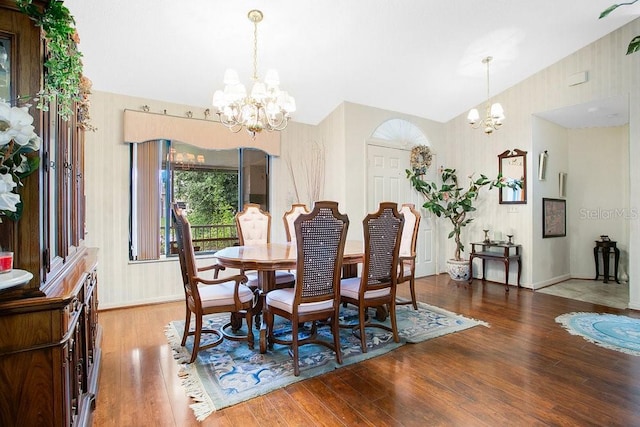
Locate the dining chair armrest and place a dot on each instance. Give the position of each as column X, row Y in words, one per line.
column 216, row 267
column 238, row 278
column 401, row 262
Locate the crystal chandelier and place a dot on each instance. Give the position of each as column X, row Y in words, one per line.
column 266, row 108
column 494, row 112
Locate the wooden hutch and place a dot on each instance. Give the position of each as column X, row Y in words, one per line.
column 49, row 332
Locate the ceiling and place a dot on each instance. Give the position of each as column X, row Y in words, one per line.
column 419, row 57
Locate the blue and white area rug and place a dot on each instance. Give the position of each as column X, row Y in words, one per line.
column 620, row 333
column 231, row 373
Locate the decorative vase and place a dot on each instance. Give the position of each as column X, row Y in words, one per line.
column 458, row 270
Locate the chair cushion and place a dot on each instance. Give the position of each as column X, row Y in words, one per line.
column 254, row 226
column 350, row 288
column 407, row 231
column 283, row 299
column 222, row 294
column 290, row 219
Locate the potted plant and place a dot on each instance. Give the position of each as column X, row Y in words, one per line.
column 453, row 202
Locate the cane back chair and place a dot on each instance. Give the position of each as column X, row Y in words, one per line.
column 320, row 237
column 376, row 286
column 206, row 296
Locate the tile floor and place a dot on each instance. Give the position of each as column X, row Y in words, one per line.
column 609, row 294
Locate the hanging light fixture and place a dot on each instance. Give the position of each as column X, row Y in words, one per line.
column 266, row 108
column 494, row 112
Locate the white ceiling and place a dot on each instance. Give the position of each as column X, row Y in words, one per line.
column 420, row 57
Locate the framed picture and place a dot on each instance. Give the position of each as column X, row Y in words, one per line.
column 554, row 218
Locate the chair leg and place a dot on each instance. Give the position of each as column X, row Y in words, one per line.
column 187, row 325
column 362, row 312
column 249, row 320
column 394, row 324
column 412, row 287
column 257, row 309
column 335, row 329
column 268, row 318
column 294, row 347
column 196, row 339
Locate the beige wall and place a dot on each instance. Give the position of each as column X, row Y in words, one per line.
column 598, row 191
column 551, row 256
column 611, row 73
column 344, row 134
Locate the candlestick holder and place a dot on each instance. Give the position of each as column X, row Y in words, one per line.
column 486, row 236
column 510, row 236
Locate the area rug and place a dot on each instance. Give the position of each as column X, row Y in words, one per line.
column 231, row 373
column 620, row 333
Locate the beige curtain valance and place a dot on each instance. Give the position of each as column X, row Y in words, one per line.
column 141, row 126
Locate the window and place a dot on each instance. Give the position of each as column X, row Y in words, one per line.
column 211, row 185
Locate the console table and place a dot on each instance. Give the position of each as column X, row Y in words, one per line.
column 495, row 251
column 605, row 247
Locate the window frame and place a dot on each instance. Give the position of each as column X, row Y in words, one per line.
column 166, row 176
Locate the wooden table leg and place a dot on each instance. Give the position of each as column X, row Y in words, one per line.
column 506, row 274
column 617, row 260
column 605, row 263
column 595, row 257
column 267, row 282
column 349, row 270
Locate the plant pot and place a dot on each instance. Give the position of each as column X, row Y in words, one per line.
column 458, row 270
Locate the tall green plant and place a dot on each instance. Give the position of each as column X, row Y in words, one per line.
column 634, row 44
column 450, row 200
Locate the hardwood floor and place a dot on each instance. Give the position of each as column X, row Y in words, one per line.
column 523, row 370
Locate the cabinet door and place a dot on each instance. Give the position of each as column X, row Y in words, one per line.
column 75, row 374
column 21, row 73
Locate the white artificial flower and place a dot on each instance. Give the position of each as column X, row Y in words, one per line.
column 8, row 199
column 33, row 144
column 15, row 125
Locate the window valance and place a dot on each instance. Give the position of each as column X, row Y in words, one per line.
column 142, row 126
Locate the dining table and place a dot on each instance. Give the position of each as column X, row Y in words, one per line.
column 266, row 258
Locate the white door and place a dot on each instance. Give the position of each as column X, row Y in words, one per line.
column 387, row 182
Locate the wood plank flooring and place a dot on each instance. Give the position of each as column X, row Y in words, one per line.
column 525, row 370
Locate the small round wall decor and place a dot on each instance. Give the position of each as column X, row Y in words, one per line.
column 420, row 159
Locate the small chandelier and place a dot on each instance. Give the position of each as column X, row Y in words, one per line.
column 266, row 108
column 494, row 113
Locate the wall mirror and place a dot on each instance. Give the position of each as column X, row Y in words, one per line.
column 512, row 166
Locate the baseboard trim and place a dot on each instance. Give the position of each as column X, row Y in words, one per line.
column 150, row 301
column 549, row 282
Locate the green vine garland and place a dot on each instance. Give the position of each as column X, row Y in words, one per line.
column 63, row 64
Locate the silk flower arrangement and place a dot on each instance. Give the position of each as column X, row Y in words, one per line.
column 17, row 141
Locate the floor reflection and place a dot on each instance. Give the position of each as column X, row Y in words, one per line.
column 610, row 294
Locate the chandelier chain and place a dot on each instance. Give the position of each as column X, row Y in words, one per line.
column 255, row 50
column 488, row 90
column 494, row 112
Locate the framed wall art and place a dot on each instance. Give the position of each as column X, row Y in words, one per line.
column 554, row 218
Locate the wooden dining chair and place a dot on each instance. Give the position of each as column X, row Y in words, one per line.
column 320, row 237
column 208, row 296
column 289, row 218
column 376, row 285
column 407, row 253
column 254, row 228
